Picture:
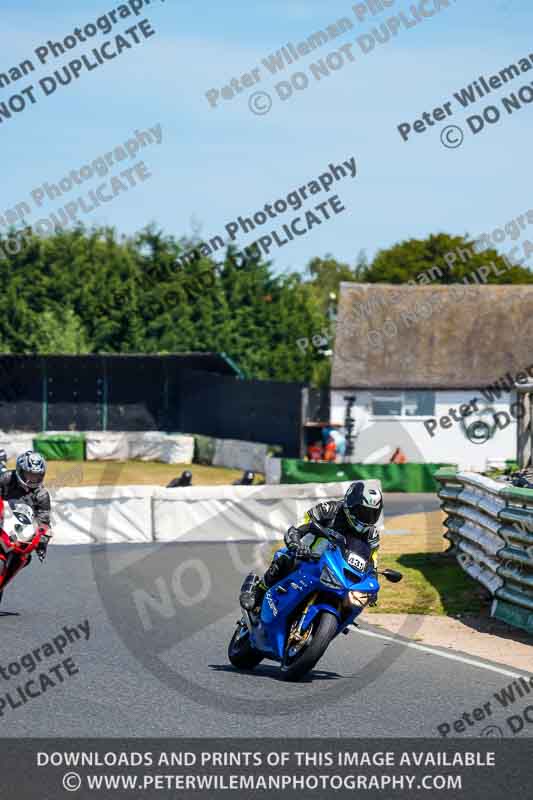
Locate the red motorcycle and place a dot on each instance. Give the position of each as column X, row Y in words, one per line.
column 16, row 547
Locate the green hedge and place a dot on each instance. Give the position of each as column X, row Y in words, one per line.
column 64, row 447
column 393, row 477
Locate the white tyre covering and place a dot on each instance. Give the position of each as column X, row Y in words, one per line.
column 140, row 445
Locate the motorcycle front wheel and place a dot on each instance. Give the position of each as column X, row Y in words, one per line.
column 241, row 653
column 298, row 662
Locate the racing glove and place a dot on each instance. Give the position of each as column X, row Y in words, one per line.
column 295, row 545
column 302, row 551
column 43, row 544
column 292, row 538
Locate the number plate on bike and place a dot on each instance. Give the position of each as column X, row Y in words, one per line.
column 357, row 561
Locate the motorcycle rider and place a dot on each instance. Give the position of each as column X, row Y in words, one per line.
column 355, row 516
column 25, row 483
column 185, row 479
column 247, row 478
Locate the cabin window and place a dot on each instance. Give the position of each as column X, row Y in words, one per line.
column 404, row 404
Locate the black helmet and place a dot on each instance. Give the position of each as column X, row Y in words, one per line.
column 30, row 469
column 362, row 506
column 246, row 479
column 185, row 479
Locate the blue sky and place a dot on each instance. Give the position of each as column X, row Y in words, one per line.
column 216, row 164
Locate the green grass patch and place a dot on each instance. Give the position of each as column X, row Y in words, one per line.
column 134, row 473
column 432, row 584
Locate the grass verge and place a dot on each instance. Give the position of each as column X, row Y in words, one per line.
column 133, row 473
column 432, row 584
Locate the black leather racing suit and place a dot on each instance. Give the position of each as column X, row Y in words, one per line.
column 329, row 514
column 37, row 499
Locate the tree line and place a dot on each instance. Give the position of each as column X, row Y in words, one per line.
column 95, row 291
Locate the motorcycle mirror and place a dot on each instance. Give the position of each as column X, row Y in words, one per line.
column 391, row 575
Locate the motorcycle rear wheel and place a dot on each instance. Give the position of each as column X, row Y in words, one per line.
column 240, row 651
column 325, row 628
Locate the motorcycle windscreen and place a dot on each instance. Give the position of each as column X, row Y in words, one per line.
column 357, row 555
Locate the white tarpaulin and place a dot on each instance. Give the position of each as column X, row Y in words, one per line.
column 225, row 513
column 102, row 514
column 140, row 445
column 197, row 513
column 273, row 470
column 106, row 447
column 240, row 455
column 16, row 443
column 161, row 447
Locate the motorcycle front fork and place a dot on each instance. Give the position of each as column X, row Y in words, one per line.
column 9, row 568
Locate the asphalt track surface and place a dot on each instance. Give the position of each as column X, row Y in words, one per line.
column 172, row 678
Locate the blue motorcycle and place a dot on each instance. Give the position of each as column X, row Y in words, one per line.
column 302, row 613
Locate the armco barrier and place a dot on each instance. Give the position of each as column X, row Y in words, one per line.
column 197, row 513
column 490, row 524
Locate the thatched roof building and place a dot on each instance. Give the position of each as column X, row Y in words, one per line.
column 431, row 337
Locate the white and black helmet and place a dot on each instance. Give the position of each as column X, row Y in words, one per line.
column 362, row 506
column 30, row 469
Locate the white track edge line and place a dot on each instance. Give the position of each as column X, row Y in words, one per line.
column 450, row 656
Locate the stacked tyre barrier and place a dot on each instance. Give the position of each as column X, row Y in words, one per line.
column 490, row 526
